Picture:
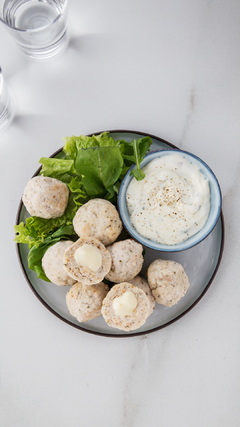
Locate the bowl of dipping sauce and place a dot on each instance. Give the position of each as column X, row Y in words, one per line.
column 175, row 206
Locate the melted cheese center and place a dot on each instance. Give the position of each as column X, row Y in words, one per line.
column 124, row 305
column 88, row 256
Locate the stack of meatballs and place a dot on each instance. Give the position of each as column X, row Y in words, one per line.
column 96, row 256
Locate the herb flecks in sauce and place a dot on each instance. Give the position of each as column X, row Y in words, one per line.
column 172, row 202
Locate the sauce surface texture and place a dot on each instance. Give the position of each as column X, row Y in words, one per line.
column 172, row 202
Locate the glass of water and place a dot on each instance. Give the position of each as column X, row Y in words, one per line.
column 39, row 27
column 6, row 103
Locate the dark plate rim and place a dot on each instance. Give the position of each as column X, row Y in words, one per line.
column 134, row 334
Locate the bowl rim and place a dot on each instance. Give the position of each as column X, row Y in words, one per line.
column 159, row 247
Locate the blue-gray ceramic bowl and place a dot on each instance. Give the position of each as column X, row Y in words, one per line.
column 215, row 204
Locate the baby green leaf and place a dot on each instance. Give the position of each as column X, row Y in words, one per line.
column 104, row 164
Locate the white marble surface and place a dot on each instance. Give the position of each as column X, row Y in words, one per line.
column 170, row 69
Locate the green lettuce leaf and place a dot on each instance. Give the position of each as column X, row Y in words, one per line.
column 134, row 152
column 100, row 166
column 36, row 229
column 78, row 191
column 75, row 143
column 70, row 148
column 61, row 169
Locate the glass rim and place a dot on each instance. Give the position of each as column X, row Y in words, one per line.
column 35, row 30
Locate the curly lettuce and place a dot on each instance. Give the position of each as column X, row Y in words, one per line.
column 91, row 167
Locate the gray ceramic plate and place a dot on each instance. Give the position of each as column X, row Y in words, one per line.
column 200, row 263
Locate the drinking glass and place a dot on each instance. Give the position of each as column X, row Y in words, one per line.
column 6, row 103
column 39, row 27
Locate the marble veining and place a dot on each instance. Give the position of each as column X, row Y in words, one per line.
column 190, row 112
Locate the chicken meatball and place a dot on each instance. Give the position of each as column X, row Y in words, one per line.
column 98, row 218
column 87, row 261
column 52, row 264
column 143, row 284
column 85, row 302
column 45, row 197
column 127, row 260
column 125, row 307
column 168, row 281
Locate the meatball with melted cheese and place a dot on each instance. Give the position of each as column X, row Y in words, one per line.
column 125, row 307
column 45, row 197
column 98, row 218
column 127, row 260
column 52, row 264
column 87, row 261
column 168, row 281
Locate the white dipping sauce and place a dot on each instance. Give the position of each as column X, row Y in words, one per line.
column 172, row 202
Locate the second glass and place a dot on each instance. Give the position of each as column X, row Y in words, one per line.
column 38, row 27
column 6, row 103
